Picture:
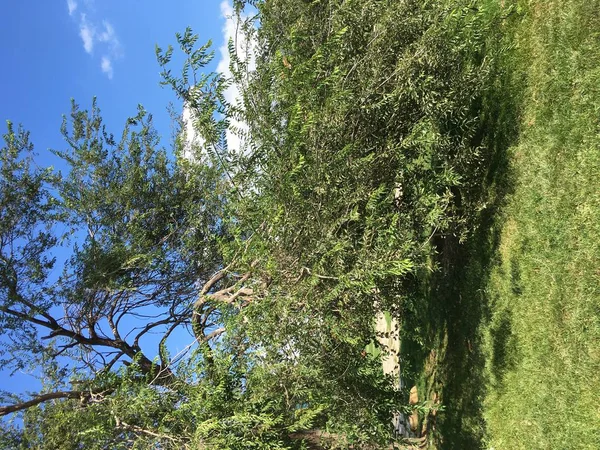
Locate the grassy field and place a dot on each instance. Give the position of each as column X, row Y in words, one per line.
column 509, row 334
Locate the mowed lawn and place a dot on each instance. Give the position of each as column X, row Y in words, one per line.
column 542, row 343
column 512, row 340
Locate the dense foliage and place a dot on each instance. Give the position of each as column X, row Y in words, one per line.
column 360, row 123
column 368, row 131
column 363, row 143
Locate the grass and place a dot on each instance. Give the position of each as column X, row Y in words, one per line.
column 508, row 332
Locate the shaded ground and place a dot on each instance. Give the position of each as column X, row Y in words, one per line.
column 508, row 330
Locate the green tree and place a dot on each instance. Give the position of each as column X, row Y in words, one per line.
column 141, row 231
column 365, row 130
column 152, row 250
column 362, row 146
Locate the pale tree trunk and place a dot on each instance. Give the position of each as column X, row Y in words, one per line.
column 388, row 336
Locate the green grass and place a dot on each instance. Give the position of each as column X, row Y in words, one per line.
column 543, row 340
column 509, row 330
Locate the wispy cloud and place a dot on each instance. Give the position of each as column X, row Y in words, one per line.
column 106, row 66
column 72, row 5
column 109, row 37
column 87, row 33
column 96, row 34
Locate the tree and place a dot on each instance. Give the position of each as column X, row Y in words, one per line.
column 362, row 147
column 141, row 231
column 365, row 128
column 148, row 247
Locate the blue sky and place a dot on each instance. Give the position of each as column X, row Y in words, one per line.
column 56, row 50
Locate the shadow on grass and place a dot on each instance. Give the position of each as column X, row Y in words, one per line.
column 503, row 347
column 442, row 342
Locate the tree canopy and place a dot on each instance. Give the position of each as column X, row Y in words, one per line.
column 361, row 146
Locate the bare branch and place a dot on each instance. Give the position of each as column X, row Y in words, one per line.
column 28, row 318
column 56, row 330
column 64, row 348
column 84, row 395
column 150, row 326
column 112, row 362
column 137, row 429
column 163, row 341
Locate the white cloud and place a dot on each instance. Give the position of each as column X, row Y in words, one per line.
column 109, row 36
column 229, row 31
column 87, row 33
column 72, row 5
column 107, row 68
column 95, row 35
column 244, row 48
column 193, row 142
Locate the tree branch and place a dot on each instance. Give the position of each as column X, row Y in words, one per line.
column 56, row 330
column 137, row 429
column 85, row 395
